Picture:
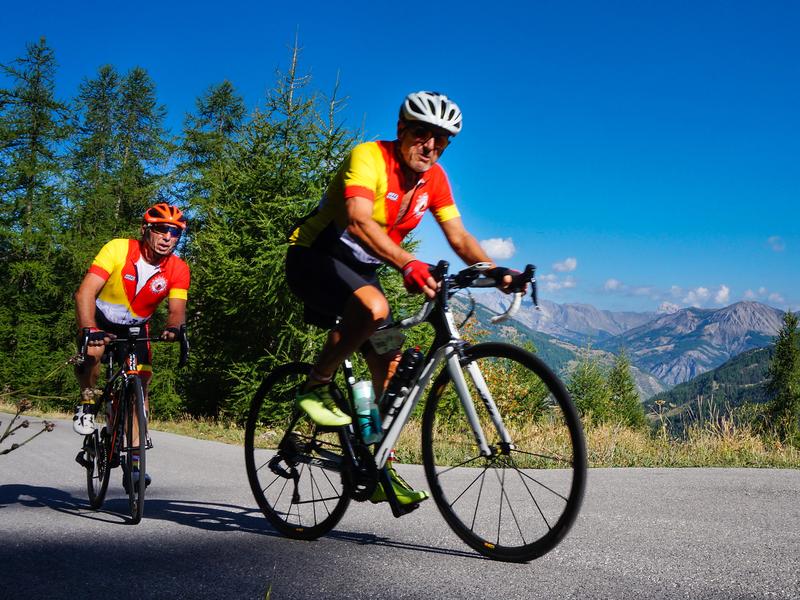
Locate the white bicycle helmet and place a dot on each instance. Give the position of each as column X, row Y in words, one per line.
column 432, row 108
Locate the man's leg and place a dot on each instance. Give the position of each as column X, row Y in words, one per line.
column 87, row 374
column 382, row 367
column 364, row 311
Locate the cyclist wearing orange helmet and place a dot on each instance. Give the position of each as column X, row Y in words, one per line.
column 126, row 282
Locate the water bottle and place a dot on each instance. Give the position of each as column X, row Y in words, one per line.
column 367, row 411
column 401, row 383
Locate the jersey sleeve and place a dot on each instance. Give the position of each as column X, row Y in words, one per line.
column 180, row 285
column 360, row 171
column 110, row 255
column 443, row 205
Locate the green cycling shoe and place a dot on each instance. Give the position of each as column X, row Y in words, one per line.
column 405, row 493
column 320, row 406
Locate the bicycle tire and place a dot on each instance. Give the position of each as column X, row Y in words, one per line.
column 98, row 470
column 298, row 481
column 134, row 402
column 519, row 503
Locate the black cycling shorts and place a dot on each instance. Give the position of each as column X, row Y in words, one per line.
column 325, row 283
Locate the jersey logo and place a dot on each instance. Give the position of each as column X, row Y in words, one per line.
column 392, row 196
column 158, row 284
column 130, row 277
column 421, row 205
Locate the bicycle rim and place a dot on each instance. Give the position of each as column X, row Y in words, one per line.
column 296, row 476
column 98, row 470
column 135, row 406
column 518, row 503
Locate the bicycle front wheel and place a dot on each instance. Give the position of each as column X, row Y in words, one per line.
column 98, row 469
column 297, row 477
column 134, row 402
column 518, row 502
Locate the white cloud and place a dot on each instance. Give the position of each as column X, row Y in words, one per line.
column 697, row 296
column 764, row 295
column 776, row 297
column 723, row 294
column 499, row 248
column 644, row 291
column 566, row 266
column 553, row 284
column 668, row 307
column 776, row 243
column 612, row 285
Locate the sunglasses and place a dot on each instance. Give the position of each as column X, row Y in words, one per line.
column 167, row 229
column 422, row 134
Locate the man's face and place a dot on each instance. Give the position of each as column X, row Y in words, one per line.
column 161, row 238
column 421, row 145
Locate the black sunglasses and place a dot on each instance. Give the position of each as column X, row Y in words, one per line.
column 167, row 229
column 422, row 134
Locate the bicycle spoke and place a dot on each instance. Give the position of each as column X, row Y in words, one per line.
column 309, row 457
column 532, row 497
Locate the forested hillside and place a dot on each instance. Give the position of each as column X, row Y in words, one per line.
column 79, row 167
column 740, row 380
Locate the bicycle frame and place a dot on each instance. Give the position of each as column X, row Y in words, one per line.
column 448, row 346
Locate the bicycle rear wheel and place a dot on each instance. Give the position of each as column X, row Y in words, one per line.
column 518, row 503
column 98, row 470
column 297, row 479
column 134, row 403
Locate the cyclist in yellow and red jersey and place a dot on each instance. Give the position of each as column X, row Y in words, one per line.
column 126, row 282
column 378, row 195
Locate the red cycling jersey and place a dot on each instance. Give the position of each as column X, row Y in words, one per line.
column 134, row 288
column 373, row 170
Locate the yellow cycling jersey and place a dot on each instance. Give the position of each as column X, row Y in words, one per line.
column 132, row 292
column 373, row 170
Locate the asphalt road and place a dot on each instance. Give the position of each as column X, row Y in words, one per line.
column 642, row 533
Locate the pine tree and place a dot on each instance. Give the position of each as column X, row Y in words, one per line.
column 589, row 389
column 219, row 117
column 33, row 126
column 144, row 148
column 625, row 403
column 96, row 159
column 271, row 176
column 784, row 410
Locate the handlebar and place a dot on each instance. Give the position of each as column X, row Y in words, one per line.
column 477, row 276
column 134, row 337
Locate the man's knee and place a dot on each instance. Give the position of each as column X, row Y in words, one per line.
column 372, row 304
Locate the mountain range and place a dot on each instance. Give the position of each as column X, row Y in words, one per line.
column 672, row 348
column 744, row 378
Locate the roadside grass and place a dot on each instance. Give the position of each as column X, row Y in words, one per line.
column 715, row 443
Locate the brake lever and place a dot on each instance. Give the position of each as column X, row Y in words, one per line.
column 184, row 341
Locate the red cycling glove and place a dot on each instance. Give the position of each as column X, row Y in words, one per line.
column 415, row 275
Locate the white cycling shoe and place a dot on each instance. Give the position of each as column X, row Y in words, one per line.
column 83, row 419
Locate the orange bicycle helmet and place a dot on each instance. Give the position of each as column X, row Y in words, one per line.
column 165, row 213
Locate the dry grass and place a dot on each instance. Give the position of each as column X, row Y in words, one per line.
column 705, row 445
column 713, row 443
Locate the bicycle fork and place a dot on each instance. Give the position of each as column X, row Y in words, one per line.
column 459, row 381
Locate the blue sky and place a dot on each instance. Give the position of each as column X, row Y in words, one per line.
column 641, row 154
